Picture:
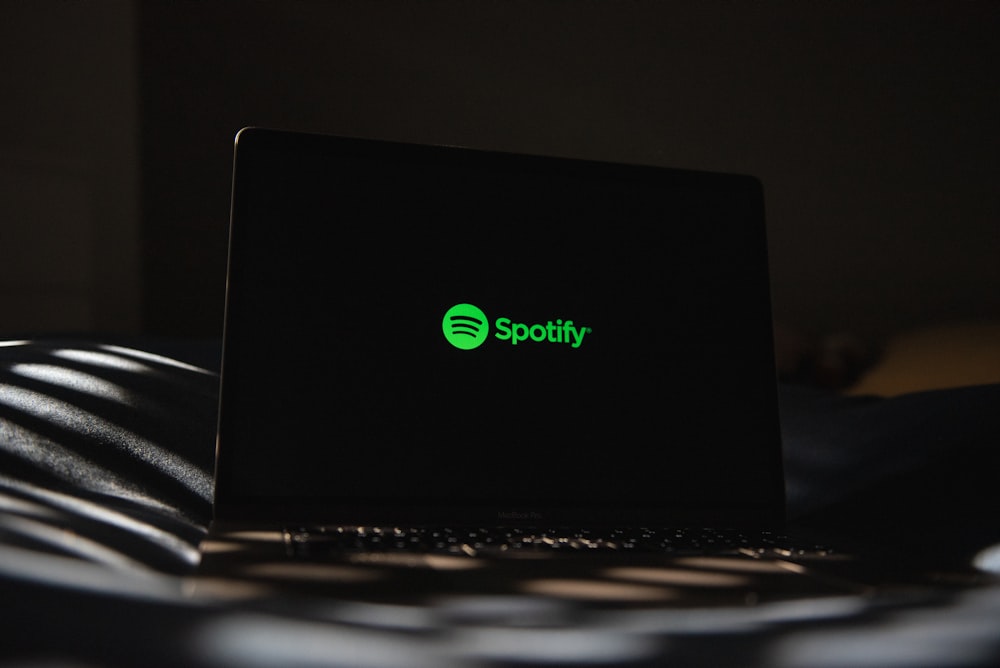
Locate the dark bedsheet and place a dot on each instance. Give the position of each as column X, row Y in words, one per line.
column 105, row 490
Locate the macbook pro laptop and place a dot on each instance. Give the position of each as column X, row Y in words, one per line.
column 439, row 359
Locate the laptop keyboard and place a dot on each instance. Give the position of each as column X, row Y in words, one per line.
column 319, row 540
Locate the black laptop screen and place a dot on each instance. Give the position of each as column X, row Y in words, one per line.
column 418, row 330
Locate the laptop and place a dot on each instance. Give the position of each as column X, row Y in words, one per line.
column 449, row 370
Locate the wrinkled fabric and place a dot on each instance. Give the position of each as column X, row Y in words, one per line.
column 106, row 455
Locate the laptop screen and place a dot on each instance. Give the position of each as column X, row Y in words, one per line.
column 423, row 333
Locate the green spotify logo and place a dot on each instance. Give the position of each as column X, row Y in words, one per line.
column 465, row 326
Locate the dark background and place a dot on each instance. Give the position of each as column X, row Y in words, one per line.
column 871, row 125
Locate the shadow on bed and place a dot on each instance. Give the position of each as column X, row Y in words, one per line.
column 112, row 442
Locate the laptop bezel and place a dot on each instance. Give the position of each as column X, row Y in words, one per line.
column 231, row 506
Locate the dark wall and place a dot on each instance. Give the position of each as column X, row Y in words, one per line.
column 69, row 167
column 873, row 126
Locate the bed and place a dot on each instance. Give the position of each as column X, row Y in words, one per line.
column 106, row 453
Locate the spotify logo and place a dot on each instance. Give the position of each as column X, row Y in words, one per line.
column 465, row 326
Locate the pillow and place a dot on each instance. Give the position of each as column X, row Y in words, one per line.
column 939, row 357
